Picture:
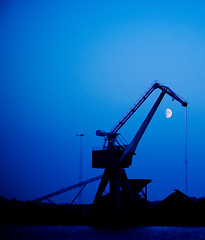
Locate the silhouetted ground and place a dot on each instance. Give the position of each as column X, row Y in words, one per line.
column 175, row 210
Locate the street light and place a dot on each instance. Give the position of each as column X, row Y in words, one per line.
column 81, row 163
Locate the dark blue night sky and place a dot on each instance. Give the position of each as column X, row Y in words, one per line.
column 70, row 67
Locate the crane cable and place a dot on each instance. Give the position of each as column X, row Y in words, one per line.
column 186, row 163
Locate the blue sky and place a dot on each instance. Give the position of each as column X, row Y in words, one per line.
column 71, row 67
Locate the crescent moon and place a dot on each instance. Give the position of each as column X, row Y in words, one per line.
column 168, row 113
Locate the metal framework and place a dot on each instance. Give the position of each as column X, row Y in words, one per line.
column 66, row 189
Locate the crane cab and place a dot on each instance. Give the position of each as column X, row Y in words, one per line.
column 109, row 158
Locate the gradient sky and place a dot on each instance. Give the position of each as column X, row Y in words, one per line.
column 70, row 67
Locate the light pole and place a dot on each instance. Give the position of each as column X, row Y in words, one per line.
column 81, row 163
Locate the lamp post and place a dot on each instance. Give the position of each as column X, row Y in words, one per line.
column 81, row 163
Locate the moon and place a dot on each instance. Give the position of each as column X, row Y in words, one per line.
column 168, row 113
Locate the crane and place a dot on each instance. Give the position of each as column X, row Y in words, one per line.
column 114, row 157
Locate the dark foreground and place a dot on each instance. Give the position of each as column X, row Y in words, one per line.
column 53, row 232
column 175, row 210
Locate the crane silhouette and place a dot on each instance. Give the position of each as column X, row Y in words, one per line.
column 115, row 157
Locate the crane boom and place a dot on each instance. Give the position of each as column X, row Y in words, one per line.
column 134, row 108
column 165, row 89
column 130, row 149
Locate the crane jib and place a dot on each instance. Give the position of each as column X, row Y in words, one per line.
column 165, row 89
